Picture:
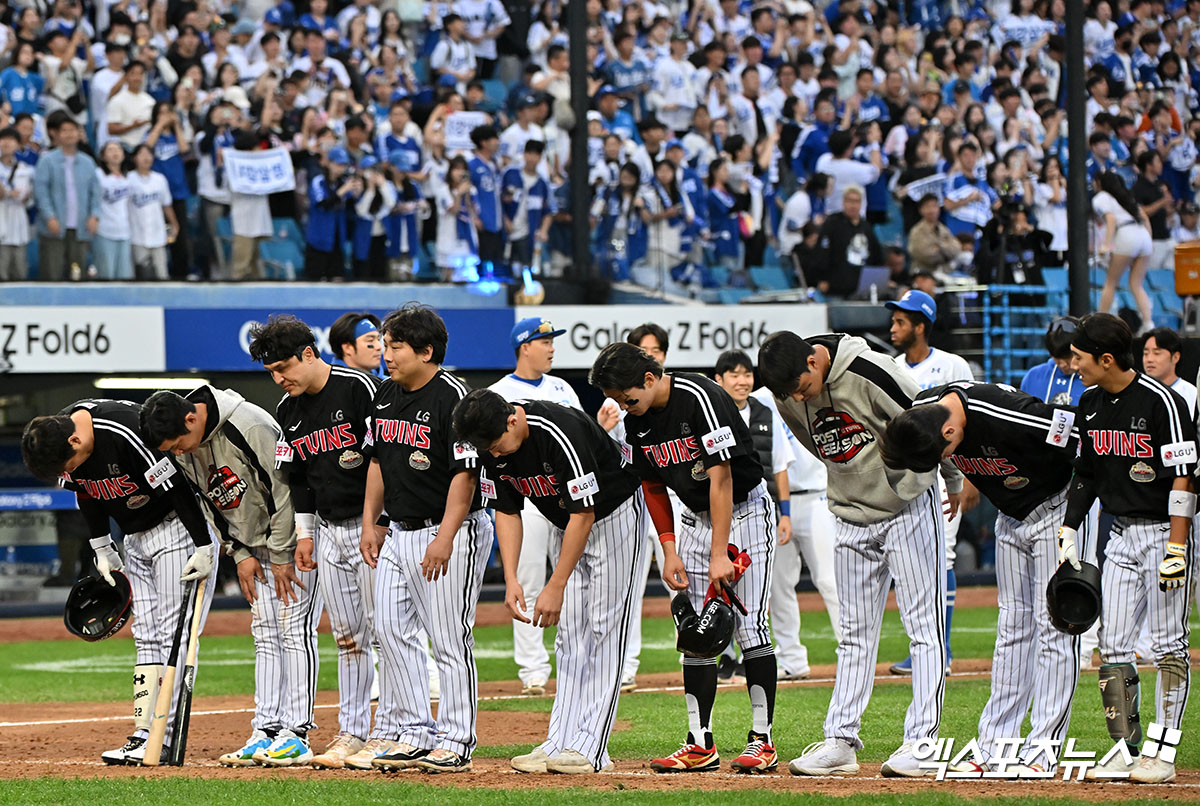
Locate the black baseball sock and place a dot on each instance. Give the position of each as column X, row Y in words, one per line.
column 700, row 690
column 761, row 677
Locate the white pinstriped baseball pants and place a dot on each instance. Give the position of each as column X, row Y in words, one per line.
column 285, row 652
column 593, row 631
column 154, row 560
column 405, row 603
column 812, row 540
column 908, row 548
column 1033, row 664
column 347, row 587
column 1131, row 597
column 529, row 651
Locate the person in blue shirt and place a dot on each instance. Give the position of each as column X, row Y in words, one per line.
column 1099, row 156
column 485, row 177
column 398, row 117
column 723, row 213
column 870, row 106
column 691, row 184
column 1054, row 381
column 328, row 194
column 617, row 220
column 21, row 84
column 528, row 206
column 27, row 151
column 1145, row 58
column 813, row 141
column 170, row 145
column 969, row 200
column 317, row 20
column 629, row 74
column 616, row 120
column 403, row 225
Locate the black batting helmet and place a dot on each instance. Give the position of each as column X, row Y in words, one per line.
column 704, row 634
column 1073, row 598
column 96, row 610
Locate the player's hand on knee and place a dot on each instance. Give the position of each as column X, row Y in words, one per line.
column 304, row 554
column 200, row 564
column 249, row 570
column 437, row 558
column 548, row 606
column 514, row 600
column 785, row 530
column 107, row 558
column 673, row 574
column 1172, row 571
column 285, row 578
column 720, row 569
column 1068, row 551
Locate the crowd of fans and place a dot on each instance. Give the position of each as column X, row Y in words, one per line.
column 927, row 137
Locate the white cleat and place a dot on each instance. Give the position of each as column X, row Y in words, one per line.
column 903, row 764
column 1115, row 770
column 1152, row 771
column 341, row 748
column 830, row 757
column 533, row 761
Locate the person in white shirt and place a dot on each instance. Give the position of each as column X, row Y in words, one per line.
column 453, row 56
column 844, row 171
column 454, row 199
column 101, row 89
column 250, row 215
column 1160, row 359
column 366, row 7
column 110, row 247
column 16, row 194
column 323, row 71
column 520, row 132
column 1188, row 228
column 130, row 108
column 485, row 20
column 532, row 341
column 672, row 94
column 152, row 218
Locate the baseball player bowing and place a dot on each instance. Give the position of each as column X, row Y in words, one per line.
column 837, row 396
column 686, row 433
column 1018, row 452
column 429, row 568
column 562, row 461
column 1137, row 454
column 93, row 448
column 324, row 417
column 226, row 447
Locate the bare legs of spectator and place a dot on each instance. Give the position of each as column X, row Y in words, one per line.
column 217, row 266
column 14, row 263
column 247, row 263
column 56, row 255
column 1137, row 285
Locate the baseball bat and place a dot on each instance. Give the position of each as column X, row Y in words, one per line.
column 183, row 706
column 162, row 705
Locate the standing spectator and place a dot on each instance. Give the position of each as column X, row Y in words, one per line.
column 16, row 191
column 64, row 74
column 453, row 59
column 488, row 217
column 673, row 94
column 171, row 139
column 724, row 218
column 101, row 88
column 485, row 20
column 323, row 72
column 1126, row 241
column 110, row 247
column 67, row 193
column 522, row 130
column 628, row 73
column 848, row 243
column 528, row 207
column 152, row 218
column 931, row 245
column 1188, row 228
column 969, row 199
column 667, row 212
column 456, row 251
column 131, row 107
column 617, row 221
column 328, row 194
column 1153, row 196
column 250, row 215
column 845, row 171
column 1050, row 206
column 20, row 85
column 210, row 182
column 373, row 207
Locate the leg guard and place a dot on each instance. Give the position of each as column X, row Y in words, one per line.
column 1121, row 697
column 145, row 692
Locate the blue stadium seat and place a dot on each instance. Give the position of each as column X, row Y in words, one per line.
column 283, row 258
column 287, row 229
column 1056, row 279
column 1098, row 273
column 495, row 89
column 720, row 275
column 1161, row 279
column 770, row 278
column 732, row 296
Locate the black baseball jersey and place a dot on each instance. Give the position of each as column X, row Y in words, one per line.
column 568, row 464
column 1016, row 449
column 698, row 428
column 1133, row 445
column 125, row 479
column 413, row 440
column 322, row 447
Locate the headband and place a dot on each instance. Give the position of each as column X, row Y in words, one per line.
column 364, row 327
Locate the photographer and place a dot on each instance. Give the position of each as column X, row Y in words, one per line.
column 1011, row 250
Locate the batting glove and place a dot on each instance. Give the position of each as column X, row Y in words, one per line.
column 107, row 558
column 1172, row 571
column 200, row 564
column 1068, row 552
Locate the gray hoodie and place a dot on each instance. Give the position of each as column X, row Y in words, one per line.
column 234, row 469
column 844, row 429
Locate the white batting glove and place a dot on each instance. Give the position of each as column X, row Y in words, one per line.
column 1172, row 571
column 1068, row 552
column 200, row 564
column 107, row 558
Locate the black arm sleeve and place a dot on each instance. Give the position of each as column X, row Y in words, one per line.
column 1080, row 495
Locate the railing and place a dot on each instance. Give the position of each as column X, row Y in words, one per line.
column 1013, row 333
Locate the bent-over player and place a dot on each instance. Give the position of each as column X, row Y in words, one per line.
column 1137, row 453
column 226, row 447
column 1018, row 452
column 837, row 396
column 685, row 433
column 562, row 461
column 430, row 564
column 94, row 448
column 325, row 416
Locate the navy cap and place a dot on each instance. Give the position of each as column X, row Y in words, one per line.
column 531, row 329
column 915, row 301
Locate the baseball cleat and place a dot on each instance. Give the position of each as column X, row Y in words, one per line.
column 901, row 668
column 121, row 754
column 759, row 756
column 534, row 688
column 443, row 760
column 689, row 758
column 402, row 756
column 628, row 684
column 288, row 750
column 1028, row 771
column 1152, row 771
column 245, row 757
column 572, row 762
column 1115, row 770
column 783, row 675
column 342, row 747
column 830, row 757
column 373, row 749
column 903, row 764
column 533, row 761
column 137, row 758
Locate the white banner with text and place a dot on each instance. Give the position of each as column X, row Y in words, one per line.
column 82, row 339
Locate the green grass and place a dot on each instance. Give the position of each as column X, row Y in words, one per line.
column 187, row 792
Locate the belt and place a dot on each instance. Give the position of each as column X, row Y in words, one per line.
column 412, row 526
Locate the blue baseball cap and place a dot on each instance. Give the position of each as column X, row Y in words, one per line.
column 339, row 156
column 368, row 161
column 674, row 142
column 273, row 16
column 915, row 302
column 532, row 329
column 607, row 89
